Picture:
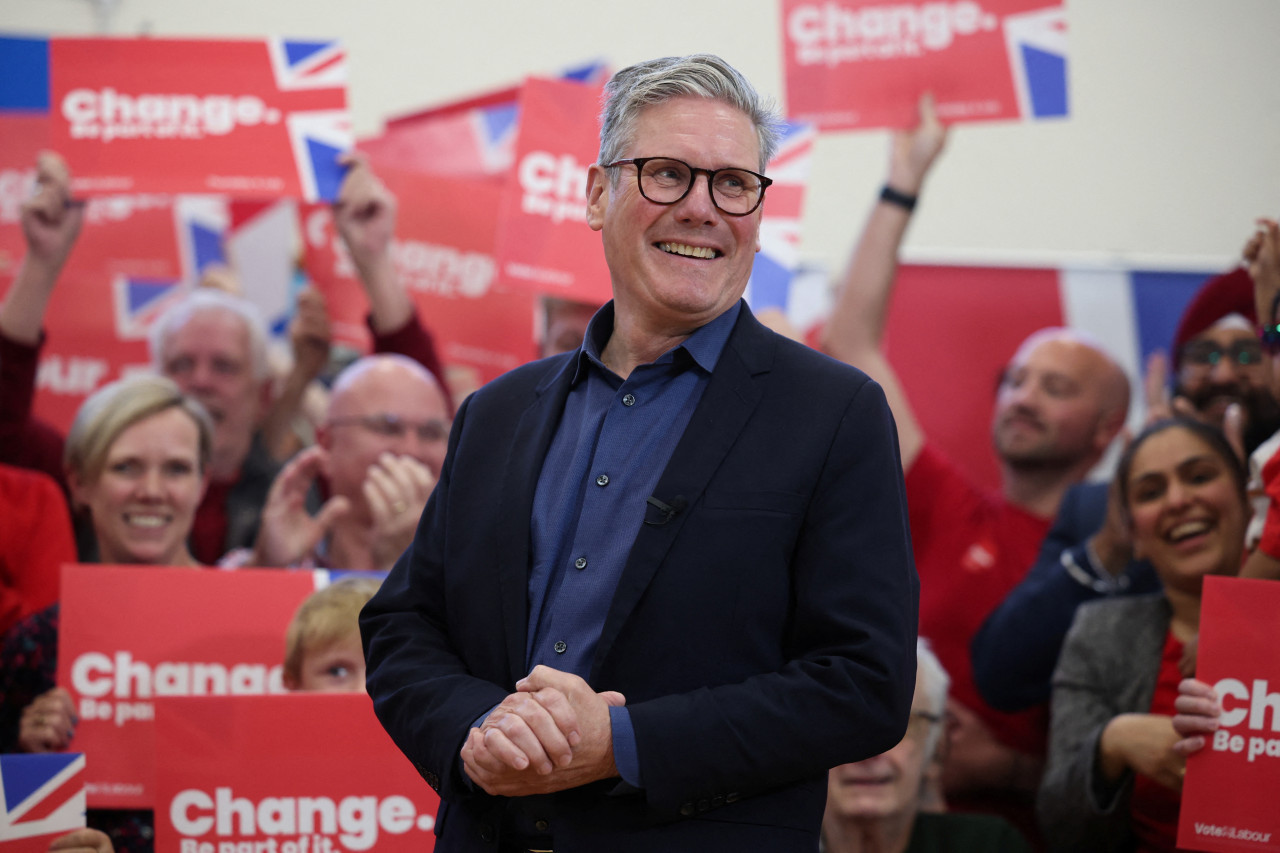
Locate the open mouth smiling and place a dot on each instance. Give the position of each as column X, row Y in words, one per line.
column 685, row 250
column 1188, row 530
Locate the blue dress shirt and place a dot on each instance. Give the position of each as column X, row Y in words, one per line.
column 613, row 441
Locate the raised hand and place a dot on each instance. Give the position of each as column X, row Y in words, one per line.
column 288, row 532
column 396, row 490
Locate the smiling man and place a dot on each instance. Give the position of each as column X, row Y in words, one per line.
column 1060, row 402
column 665, row 580
column 214, row 346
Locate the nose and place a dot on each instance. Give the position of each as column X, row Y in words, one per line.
column 697, row 204
column 151, row 484
column 1178, row 494
column 198, row 378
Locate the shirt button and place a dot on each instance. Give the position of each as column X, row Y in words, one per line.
column 561, row 647
column 541, row 825
column 629, row 399
column 602, row 480
column 580, row 563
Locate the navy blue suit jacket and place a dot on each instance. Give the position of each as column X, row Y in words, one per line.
column 764, row 634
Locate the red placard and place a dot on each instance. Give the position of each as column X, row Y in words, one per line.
column 544, row 243
column 232, row 777
column 260, row 118
column 864, row 63
column 131, row 634
column 444, row 255
column 135, row 255
column 22, row 137
column 1229, row 794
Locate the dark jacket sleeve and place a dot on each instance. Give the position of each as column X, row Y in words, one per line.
column 1015, row 651
column 25, row 441
column 413, row 340
column 424, row 694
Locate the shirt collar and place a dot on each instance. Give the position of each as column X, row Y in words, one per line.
column 704, row 346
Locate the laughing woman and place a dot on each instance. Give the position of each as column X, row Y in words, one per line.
column 136, row 462
column 1114, row 780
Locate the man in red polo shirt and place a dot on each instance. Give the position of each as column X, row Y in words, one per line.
column 1061, row 402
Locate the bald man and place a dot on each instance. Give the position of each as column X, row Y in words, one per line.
column 379, row 450
column 1061, row 402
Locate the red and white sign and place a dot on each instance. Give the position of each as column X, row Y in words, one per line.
column 231, row 777
column 1229, row 794
column 22, row 137
column 254, row 118
column 131, row 634
column 864, row 63
column 544, row 243
column 444, row 255
column 134, row 257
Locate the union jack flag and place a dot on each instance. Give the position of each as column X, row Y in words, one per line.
column 200, row 224
column 308, row 64
column 1037, row 43
column 43, row 798
column 780, row 226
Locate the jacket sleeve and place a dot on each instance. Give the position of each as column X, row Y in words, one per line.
column 1015, row 651
column 1078, row 809
column 423, row 693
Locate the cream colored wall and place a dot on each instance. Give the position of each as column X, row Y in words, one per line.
column 1172, row 150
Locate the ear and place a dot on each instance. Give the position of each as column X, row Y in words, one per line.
column 79, row 491
column 597, row 196
column 1110, row 425
column 290, row 683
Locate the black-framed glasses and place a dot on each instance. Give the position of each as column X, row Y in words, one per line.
column 394, row 426
column 1245, row 352
column 666, row 180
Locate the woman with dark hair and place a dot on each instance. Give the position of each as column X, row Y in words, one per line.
column 1114, row 779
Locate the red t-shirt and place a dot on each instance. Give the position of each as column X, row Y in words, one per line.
column 971, row 547
column 1153, row 808
column 35, row 540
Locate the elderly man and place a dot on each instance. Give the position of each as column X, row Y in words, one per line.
column 1060, row 403
column 879, row 804
column 665, row 580
column 380, row 450
column 214, row 346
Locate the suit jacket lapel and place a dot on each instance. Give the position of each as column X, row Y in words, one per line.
column 727, row 403
column 530, row 440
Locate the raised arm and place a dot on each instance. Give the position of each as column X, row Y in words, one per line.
column 50, row 222
column 365, row 216
column 855, row 330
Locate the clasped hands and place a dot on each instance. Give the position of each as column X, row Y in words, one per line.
column 552, row 734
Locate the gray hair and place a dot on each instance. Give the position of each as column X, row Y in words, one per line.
column 936, row 684
column 702, row 75
column 207, row 299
